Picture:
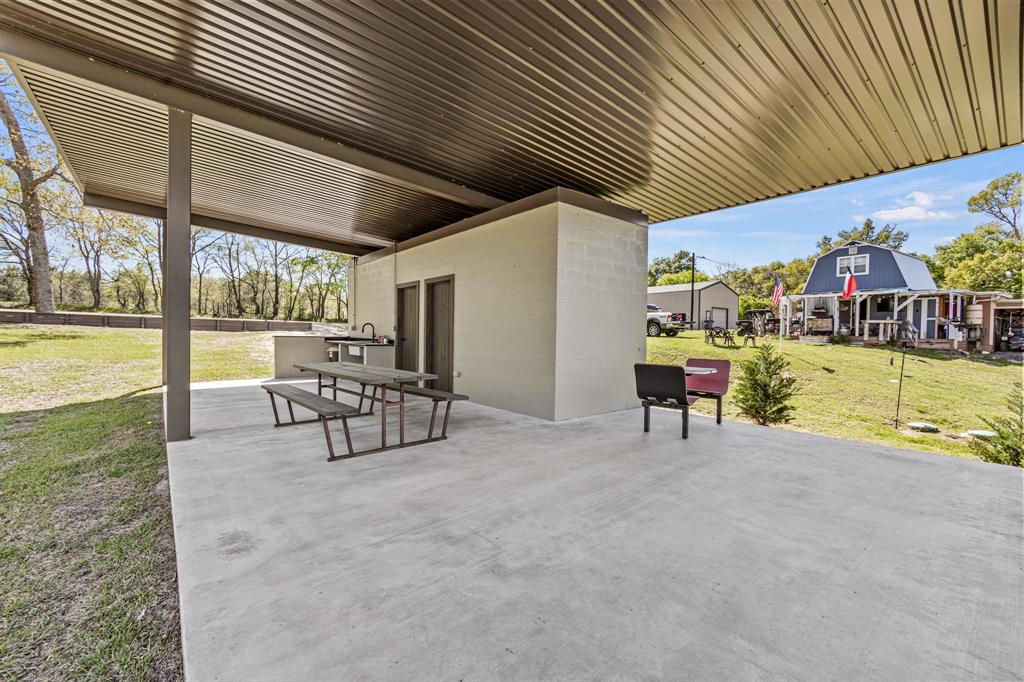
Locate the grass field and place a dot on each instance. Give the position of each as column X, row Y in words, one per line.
column 44, row 366
column 87, row 569
column 850, row 391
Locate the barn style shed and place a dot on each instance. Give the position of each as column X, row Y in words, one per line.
column 891, row 286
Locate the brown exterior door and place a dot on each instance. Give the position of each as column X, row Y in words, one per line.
column 407, row 334
column 440, row 331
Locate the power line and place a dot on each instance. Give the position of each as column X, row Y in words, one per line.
column 731, row 266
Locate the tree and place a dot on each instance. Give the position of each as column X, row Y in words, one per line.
column 15, row 247
column 1007, row 446
column 888, row 236
column 32, row 171
column 998, row 269
column 667, row 265
column 202, row 243
column 750, row 302
column 985, row 259
column 1001, row 200
column 760, row 279
column 96, row 235
column 681, row 278
column 765, row 387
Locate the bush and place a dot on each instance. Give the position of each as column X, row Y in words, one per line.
column 765, row 387
column 839, row 339
column 1007, row 447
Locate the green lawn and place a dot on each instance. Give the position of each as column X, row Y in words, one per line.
column 44, row 366
column 850, row 391
column 87, row 569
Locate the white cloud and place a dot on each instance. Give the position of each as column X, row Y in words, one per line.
column 916, row 206
column 859, row 218
column 857, row 202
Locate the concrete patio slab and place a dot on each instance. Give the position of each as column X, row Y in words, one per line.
column 521, row 549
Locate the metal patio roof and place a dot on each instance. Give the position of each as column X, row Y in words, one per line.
column 445, row 109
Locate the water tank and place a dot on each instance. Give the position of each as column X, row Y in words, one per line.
column 972, row 314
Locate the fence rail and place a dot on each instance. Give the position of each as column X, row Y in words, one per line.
column 199, row 324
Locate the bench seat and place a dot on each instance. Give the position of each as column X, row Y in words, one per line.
column 438, row 397
column 433, row 394
column 325, row 407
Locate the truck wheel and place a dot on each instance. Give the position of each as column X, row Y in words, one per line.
column 671, row 332
column 653, row 329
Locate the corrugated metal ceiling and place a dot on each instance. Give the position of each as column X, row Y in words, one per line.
column 671, row 107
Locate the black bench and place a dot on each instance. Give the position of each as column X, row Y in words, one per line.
column 324, row 408
column 437, row 397
column 663, row 386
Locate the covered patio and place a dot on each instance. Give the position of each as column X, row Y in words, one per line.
column 386, row 130
column 522, row 148
column 528, row 549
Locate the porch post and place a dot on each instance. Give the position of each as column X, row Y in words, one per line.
column 177, row 283
column 867, row 325
column 949, row 318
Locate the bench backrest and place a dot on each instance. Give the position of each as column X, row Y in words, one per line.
column 661, row 383
column 712, row 383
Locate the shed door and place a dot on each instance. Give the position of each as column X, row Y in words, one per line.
column 720, row 317
column 440, row 332
column 407, row 336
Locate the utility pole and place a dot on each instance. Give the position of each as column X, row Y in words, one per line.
column 693, row 276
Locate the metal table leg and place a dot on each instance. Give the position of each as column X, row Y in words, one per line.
column 401, row 414
column 383, row 415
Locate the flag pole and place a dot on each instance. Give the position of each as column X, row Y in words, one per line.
column 781, row 301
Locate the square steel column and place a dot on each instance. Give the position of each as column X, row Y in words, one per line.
column 177, row 274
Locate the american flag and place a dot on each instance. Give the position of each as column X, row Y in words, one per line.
column 777, row 292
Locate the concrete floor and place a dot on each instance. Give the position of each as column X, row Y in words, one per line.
column 522, row 550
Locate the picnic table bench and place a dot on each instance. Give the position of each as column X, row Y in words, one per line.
column 438, row 397
column 324, row 408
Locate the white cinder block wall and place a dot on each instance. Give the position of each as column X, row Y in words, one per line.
column 548, row 308
column 601, row 312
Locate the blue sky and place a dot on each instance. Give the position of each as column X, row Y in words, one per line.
column 929, row 202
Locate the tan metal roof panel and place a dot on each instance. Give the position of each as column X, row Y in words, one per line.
column 670, row 106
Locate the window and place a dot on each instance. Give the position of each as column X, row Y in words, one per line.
column 858, row 264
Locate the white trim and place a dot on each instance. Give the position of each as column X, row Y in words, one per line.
column 841, row 269
column 903, row 305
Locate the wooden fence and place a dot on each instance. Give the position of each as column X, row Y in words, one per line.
column 200, row 324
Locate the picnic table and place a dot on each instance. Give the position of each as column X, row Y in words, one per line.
column 368, row 376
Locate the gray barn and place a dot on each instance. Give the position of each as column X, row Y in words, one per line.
column 891, row 286
column 714, row 300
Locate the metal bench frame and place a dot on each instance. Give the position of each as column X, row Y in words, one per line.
column 320, row 418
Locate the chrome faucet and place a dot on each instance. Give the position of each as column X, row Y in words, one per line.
column 373, row 330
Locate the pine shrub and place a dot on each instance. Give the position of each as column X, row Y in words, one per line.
column 765, row 387
column 1007, row 446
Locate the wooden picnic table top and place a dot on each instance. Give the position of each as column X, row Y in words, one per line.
column 370, row 375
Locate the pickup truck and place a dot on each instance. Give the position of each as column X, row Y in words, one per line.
column 659, row 321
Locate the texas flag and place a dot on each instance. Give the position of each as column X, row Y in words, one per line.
column 850, row 285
